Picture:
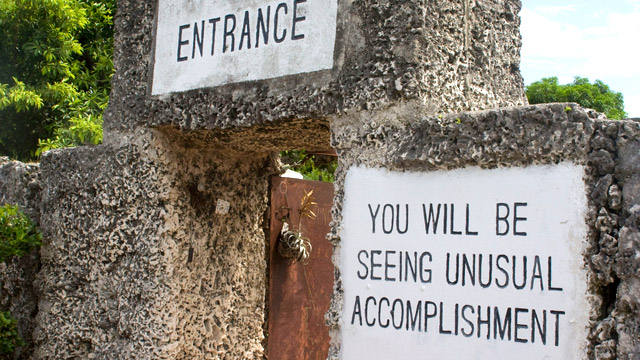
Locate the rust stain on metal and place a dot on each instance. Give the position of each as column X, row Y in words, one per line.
column 300, row 294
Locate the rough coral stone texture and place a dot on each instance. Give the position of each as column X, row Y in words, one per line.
column 137, row 263
column 448, row 55
column 627, row 260
column 405, row 139
column 20, row 185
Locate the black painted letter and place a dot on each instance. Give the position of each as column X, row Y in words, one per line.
column 261, row 25
column 213, row 33
column 198, row 39
column 229, row 32
column 503, row 219
column 275, row 24
column 246, row 32
column 182, row 42
column 296, row 19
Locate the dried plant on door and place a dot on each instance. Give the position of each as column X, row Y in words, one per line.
column 293, row 244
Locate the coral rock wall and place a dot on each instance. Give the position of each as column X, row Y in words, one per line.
column 20, row 185
column 136, row 261
column 446, row 55
column 403, row 139
column 117, row 278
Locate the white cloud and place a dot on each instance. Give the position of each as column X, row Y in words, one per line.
column 612, row 49
column 635, row 4
column 556, row 10
column 632, row 105
column 606, row 49
column 543, row 37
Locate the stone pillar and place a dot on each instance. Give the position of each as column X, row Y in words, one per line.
column 512, row 138
column 138, row 263
column 20, row 185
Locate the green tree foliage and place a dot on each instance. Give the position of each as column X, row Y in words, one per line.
column 9, row 337
column 18, row 234
column 597, row 96
column 55, row 70
column 312, row 167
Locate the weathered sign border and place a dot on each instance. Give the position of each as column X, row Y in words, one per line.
column 500, row 276
column 213, row 56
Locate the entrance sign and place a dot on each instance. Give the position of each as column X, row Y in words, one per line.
column 206, row 43
column 465, row 264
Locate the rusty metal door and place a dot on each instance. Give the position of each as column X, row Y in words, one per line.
column 299, row 293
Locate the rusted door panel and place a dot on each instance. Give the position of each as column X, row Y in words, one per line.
column 300, row 293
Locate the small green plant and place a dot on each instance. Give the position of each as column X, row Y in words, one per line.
column 567, row 109
column 312, row 167
column 18, row 234
column 9, row 337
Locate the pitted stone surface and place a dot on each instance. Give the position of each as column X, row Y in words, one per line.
column 404, row 139
column 627, row 268
column 119, row 223
column 20, row 185
column 99, row 284
column 295, row 134
column 445, row 55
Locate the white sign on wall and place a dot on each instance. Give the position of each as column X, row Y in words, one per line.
column 206, row 43
column 464, row 264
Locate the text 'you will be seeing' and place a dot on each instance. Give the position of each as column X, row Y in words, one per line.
column 432, row 258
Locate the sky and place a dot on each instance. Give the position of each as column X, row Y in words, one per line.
column 596, row 39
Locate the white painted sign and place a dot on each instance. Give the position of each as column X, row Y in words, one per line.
column 464, row 264
column 206, row 43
